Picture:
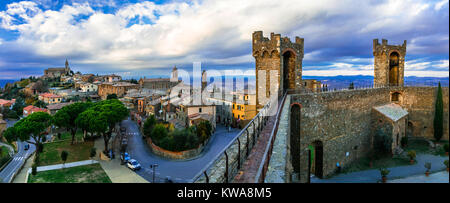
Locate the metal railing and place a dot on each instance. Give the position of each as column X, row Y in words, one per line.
column 261, row 174
column 260, row 119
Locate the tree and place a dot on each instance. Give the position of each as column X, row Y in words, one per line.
column 111, row 96
column 204, row 131
column 64, row 155
column 158, row 133
column 148, row 125
column 438, row 122
column 31, row 129
column 102, row 117
column 351, row 86
column 134, row 81
column 67, row 116
column 19, row 105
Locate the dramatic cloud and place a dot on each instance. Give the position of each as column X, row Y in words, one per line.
column 108, row 35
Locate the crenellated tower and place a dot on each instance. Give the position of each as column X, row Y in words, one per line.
column 389, row 65
column 278, row 55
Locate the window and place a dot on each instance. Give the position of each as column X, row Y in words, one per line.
column 200, row 110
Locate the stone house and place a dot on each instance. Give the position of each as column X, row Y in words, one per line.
column 32, row 109
column 118, row 88
column 50, row 98
column 391, row 120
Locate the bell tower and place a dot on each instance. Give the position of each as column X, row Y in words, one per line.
column 389, row 64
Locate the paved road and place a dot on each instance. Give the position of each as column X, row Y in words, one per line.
column 18, row 159
column 178, row 171
column 373, row 176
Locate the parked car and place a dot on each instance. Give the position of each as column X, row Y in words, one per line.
column 133, row 165
column 125, row 157
column 26, row 147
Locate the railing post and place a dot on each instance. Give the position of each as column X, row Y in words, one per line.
column 254, row 133
column 239, row 154
column 226, row 166
column 206, row 176
column 246, row 130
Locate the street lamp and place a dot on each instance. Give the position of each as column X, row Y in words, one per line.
column 153, row 166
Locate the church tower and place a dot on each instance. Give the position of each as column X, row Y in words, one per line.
column 277, row 58
column 389, row 65
column 174, row 76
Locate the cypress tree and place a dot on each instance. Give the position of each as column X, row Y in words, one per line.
column 438, row 123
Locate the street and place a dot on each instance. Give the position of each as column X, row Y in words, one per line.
column 177, row 170
column 18, row 159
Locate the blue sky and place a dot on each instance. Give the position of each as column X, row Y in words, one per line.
column 137, row 38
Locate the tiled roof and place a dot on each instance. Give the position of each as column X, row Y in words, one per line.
column 58, row 106
column 49, row 95
column 393, row 111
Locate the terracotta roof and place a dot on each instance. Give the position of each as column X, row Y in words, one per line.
column 58, row 106
column 393, row 111
column 31, row 109
column 49, row 95
column 157, row 80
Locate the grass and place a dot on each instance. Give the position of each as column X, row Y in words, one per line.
column 423, row 147
column 4, row 151
column 385, row 162
column 52, row 152
column 81, row 174
column 67, row 136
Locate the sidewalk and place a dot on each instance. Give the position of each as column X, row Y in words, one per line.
column 67, row 165
column 373, row 175
column 116, row 172
column 21, row 177
column 439, row 177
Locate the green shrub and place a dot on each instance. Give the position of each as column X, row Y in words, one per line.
column 428, row 166
column 148, row 125
column 384, row 172
column 412, row 154
column 158, row 133
column 446, row 147
column 446, row 163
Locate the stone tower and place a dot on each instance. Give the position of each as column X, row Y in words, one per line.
column 280, row 55
column 174, row 76
column 204, row 80
column 389, row 63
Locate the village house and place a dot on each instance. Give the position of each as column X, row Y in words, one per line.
column 53, row 108
column 118, row 88
column 87, row 87
column 7, row 103
column 32, row 109
column 50, row 98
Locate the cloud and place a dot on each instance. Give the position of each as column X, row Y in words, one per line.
column 133, row 36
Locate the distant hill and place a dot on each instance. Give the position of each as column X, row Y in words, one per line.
column 364, row 80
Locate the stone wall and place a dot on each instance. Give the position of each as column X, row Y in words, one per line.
column 420, row 103
column 187, row 154
column 343, row 122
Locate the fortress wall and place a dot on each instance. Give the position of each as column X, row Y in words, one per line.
column 341, row 121
column 420, row 103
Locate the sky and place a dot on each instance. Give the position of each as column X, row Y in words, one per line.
column 147, row 38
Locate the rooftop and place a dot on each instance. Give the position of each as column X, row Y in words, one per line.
column 393, row 111
column 49, row 95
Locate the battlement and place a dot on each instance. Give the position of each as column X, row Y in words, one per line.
column 384, row 44
column 259, row 38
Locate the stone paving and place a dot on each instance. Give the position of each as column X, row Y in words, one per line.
column 373, row 176
column 250, row 167
column 439, row 177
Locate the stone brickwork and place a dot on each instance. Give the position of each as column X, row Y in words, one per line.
column 344, row 122
column 382, row 54
column 280, row 55
column 420, row 103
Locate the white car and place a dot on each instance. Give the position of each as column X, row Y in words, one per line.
column 133, row 165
